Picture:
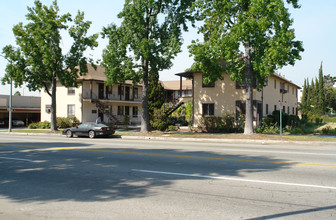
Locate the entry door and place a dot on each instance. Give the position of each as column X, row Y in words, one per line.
column 101, row 91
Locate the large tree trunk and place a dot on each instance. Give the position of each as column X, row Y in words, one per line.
column 248, row 130
column 53, row 105
column 145, row 115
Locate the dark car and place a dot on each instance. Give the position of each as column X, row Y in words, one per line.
column 89, row 129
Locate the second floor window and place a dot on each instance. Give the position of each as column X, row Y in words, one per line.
column 120, row 90
column 71, row 91
column 136, row 93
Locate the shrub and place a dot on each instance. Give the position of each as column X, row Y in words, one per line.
column 296, row 131
column 40, row 125
column 172, row 128
column 330, row 119
column 33, row 125
column 213, row 124
column 159, row 120
column 66, row 122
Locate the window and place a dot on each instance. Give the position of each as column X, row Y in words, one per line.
column 293, row 111
column 288, row 109
column 266, row 109
column 71, row 110
column 275, row 84
column 94, row 111
column 275, row 107
column 120, row 110
column 71, row 91
column 136, row 93
column 109, row 89
column 211, row 84
column 135, row 111
column 284, row 109
column 208, row 109
column 48, row 108
column 120, row 90
column 127, row 110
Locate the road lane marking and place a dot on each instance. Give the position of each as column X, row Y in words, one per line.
column 233, row 179
column 172, row 155
column 12, row 158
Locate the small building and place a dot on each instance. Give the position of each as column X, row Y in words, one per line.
column 25, row 108
column 226, row 96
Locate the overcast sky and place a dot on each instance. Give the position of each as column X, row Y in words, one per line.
column 314, row 24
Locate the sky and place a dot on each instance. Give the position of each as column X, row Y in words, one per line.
column 314, row 24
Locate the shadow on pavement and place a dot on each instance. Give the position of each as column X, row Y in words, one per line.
column 83, row 172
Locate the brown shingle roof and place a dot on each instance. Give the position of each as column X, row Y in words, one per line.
column 175, row 85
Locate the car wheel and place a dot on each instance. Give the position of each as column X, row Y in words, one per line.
column 92, row 134
column 69, row 134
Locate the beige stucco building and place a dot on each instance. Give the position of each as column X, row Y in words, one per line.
column 93, row 98
column 226, row 96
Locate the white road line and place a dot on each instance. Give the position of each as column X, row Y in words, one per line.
column 234, row 179
column 11, row 158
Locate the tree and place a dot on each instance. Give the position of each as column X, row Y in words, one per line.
column 38, row 60
column 155, row 94
column 321, row 107
column 251, row 38
column 17, row 93
column 147, row 40
column 330, row 91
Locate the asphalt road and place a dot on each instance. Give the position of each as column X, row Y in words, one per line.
column 52, row 177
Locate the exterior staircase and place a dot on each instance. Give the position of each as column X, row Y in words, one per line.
column 173, row 108
column 106, row 111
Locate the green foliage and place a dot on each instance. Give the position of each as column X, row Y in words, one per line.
column 38, row 61
column 271, row 123
column 126, row 120
column 252, row 38
column 272, row 129
column 223, row 124
column 61, row 123
column 329, row 119
column 40, row 125
column 328, row 131
column 321, row 106
column 145, row 43
column 159, row 120
column 188, row 110
column 67, row 122
column 172, row 128
column 155, row 94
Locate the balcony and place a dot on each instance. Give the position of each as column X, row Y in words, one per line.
column 88, row 96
